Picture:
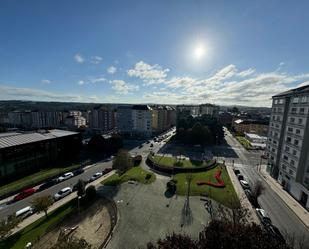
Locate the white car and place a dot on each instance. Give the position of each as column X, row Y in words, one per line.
column 244, row 184
column 263, row 216
column 65, row 176
column 95, row 176
column 62, row 193
column 24, row 212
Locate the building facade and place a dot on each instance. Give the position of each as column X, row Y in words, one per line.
column 102, row 118
column 124, row 122
column 288, row 142
column 142, row 120
column 259, row 127
column 209, row 109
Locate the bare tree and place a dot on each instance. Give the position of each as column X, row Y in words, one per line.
column 123, row 161
column 257, row 189
column 42, row 204
column 7, row 225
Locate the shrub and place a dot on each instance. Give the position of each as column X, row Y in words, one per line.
column 91, row 193
column 148, row 176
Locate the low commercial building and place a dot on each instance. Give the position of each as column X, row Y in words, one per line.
column 259, row 127
column 22, row 153
column 258, row 142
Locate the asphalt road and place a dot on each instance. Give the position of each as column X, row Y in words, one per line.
column 246, row 161
column 134, row 145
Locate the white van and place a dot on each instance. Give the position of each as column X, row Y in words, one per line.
column 24, row 213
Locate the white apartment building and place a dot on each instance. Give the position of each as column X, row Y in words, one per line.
column 142, row 120
column 288, row 142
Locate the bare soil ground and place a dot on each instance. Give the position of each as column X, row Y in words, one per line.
column 93, row 225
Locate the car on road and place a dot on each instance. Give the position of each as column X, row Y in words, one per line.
column 24, row 212
column 95, row 176
column 65, row 176
column 78, row 172
column 251, row 198
column 236, row 171
column 62, row 193
column 263, row 216
column 244, row 184
column 47, row 184
column 240, row 177
column 275, row 232
column 107, row 170
column 23, row 194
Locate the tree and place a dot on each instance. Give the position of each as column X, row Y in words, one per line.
column 81, row 188
column 174, row 241
column 257, row 189
column 122, row 161
column 7, row 225
column 114, row 144
column 42, row 203
column 97, row 144
column 91, row 193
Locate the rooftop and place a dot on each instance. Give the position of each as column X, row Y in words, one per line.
column 302, row 89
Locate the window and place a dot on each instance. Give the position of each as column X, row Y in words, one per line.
column 285, row 157
column 290, row 129
column 304, row 99
column 292, row 162
column 275, row 142
column 294, row 152
column 283, row 166
column 295, row 100
column 291, row 172
column 280, row 101
column 296, row 142
column 276, row 101
column 300, row 121
column 288, row 139
column 287, row 149
column 276, row 134
column 293, row 110
column 297, row 131
column 302, row 110
column 292, row 120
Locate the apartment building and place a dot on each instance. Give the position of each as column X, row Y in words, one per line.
column 102, row 118
column 163, row 118
column 288, row 142
column 124, row 119
column 259, row 127
column 209, row 109
column 142, row 120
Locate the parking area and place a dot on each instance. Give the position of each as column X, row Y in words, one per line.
column 147, row 214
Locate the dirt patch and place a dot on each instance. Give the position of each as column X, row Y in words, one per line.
column 93, row 225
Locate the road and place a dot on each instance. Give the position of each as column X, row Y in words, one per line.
column 135, row 149
column 246, row 161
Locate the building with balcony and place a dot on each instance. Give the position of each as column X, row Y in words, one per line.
column 142, row 120
column 102, row 118
column 288, row 142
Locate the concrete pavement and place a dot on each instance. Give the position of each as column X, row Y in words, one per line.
column 294, row 205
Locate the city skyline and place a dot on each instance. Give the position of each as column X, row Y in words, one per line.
column 152, row 52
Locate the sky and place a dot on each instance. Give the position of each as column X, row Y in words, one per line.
column 163, row 51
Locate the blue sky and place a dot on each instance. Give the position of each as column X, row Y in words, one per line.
column 145, row 51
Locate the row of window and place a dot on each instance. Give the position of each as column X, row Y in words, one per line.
column 275, row 125
column 278, row 101
column 301, row 110
column 276, row 118
column 296, row 120
column 301, row 99
column 288, row 150
column 289, row 140
column 277, row 109
column 291, row 172
column 297, row 131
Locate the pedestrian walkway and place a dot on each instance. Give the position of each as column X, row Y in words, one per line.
column 242, row 196
column 294, row 205
column 56, row 205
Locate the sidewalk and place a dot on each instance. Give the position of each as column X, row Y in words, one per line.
column 242, row 196
column 56, row 205
column 299, row 210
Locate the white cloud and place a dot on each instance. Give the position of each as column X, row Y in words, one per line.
column 79, row 58
column 150, row 74
column 81, row 82
column 91, row 80
column 96, row 59
column 246, row 73
column 121, row 87
column 177, row 82
column 112, row 70
column 45, row 81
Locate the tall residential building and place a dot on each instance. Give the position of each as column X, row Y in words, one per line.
column 102, row 118
column 42, row 119
column 20, row 118
column 142, row 120
column 124, row 119
column 163, row 118
column 209, row 109
column 288, row 142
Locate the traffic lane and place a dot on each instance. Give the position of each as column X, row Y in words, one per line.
column 12, row 208
column 280, row 214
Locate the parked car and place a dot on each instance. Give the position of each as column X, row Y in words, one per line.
column 151, row 145
column 95, row 176
column 107, row 170
column 240, row 177
column 78, row 172
column 244, row 184
column 275, row 232
column 236, row 171
column 62, row 193
column 252, row 199
column 263, row 216
column 23, row 194
column 47, row 184
column 65, row 176
column 24, row 212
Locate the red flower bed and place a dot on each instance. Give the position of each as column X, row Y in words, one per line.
column 219, row 184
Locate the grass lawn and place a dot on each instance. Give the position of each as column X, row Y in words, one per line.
column 226, row 196
column 171, row 161
column 136, row 173
column 244, row 142
column 38, row 228
column 34, row 179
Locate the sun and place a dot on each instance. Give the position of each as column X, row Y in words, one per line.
column 199, row 51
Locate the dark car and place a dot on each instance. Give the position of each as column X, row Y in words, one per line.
column 47, row 184
column 107, row 170
column 78, row 172
column 236, row 171
column 275, row 232
column 252, row 199
column 240, row 177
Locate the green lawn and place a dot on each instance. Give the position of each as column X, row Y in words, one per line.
column 34, row 179
column 244, row 142
column 136, row 173
column 226, row 196
column 171, row 161
column 37, row 229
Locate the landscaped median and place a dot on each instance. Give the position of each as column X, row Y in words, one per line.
column 244, row 142
column 136, row 174
column 225, row 195
column 34, row 179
